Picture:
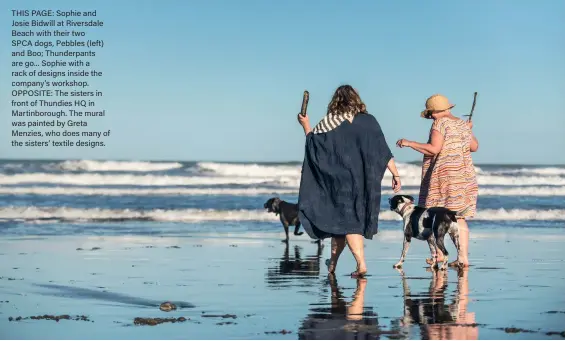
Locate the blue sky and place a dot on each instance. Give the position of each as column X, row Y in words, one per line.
column 223, row 80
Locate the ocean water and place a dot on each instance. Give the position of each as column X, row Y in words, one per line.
column 111, row 240
column 88, row 197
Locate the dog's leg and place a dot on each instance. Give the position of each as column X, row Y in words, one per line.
column 454, row 234
column 296, row 229
column 441, row 246
column 405, row 247
column 439, row 231
column 433, row 251
column 284, row 223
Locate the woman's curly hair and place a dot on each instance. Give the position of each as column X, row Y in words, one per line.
column 346, row 99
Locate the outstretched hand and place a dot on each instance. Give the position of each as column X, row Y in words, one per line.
column 470, row 124
column 402, row 143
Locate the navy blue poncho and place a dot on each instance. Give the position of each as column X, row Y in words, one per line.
column 340, row 188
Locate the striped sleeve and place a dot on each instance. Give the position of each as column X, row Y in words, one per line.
column 440, row 125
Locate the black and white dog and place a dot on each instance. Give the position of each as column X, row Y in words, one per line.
column 288, row 214
column 430, row 224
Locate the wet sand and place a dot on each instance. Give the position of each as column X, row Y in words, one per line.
column 250, row 286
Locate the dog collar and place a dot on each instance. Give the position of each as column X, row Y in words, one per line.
column 403, row 209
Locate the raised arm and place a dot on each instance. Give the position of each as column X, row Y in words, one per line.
column 305, row 123
column 474, row 142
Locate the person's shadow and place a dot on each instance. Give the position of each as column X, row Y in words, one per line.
column 340, row 320
column 293, row 269
column 438, row 319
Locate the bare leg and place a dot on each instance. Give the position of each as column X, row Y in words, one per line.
column 405, row 247
column 338, row 244
column 355, row 242
column 463, row 242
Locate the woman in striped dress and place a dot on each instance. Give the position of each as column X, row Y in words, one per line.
column 448, row 173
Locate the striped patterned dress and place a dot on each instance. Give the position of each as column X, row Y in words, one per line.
column 449, row 179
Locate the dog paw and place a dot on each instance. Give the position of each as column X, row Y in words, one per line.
column 298, row 233
column 285, row 241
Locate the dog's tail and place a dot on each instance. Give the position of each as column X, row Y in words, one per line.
column 459, row 214
column 454, row 214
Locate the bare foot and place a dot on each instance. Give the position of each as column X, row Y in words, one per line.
column 458, row 264
column 360, row 272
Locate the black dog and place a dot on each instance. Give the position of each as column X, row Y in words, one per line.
column 288, row 213
column 430, row 224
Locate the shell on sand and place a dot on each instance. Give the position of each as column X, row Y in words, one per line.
column 167, row 306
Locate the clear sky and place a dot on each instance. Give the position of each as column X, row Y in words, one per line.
column 223, row 80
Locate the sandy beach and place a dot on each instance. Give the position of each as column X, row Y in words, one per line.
column 250, row 286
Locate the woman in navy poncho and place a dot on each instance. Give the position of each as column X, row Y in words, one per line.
column 345, row 159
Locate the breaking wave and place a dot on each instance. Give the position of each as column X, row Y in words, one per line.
column 95, row 179
column 544, row 191
column 291, row 181
column 257, row 170
column 68, row 214
column 249, row 170
column 535, row 171
column 86, row 191
column 113, row 166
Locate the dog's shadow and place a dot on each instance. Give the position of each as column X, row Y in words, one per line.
column 439, row 319
column 293, row 269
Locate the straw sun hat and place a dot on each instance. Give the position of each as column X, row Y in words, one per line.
column 436, row 103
